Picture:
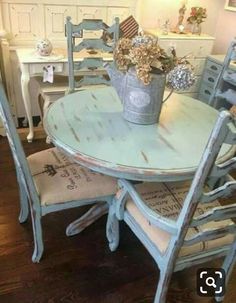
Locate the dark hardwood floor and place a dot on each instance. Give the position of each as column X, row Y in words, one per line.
column 78, row 269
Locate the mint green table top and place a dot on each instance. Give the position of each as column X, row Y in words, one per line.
column 89, row 127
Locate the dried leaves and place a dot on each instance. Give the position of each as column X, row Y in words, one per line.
column 144, row 53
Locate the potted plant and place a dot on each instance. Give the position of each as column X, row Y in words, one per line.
column 197, row 16
column 142, row 69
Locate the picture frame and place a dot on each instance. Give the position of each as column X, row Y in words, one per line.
column 230, row 5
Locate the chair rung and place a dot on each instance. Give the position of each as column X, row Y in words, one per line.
column 230, row 77
column 229, row 95
column 218, row 214
column 221, row 192
column 200, row 257
column 210, row 235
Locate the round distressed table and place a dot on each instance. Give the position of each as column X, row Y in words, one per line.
column 89, row 127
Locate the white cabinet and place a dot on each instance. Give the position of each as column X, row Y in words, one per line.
column 196, row 47
column 212, row 69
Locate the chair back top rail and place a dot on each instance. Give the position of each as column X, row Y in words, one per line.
column 88, row 25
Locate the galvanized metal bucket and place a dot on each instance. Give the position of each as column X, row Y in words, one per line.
column 142, row 103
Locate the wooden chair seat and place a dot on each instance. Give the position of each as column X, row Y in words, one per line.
column 59, row 180
column 167, row 200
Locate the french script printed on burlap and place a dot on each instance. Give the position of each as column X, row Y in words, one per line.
column 167, row 200
column 62, row 180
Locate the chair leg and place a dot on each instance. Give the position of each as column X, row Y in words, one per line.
column 162, row 287
column 24, row 205
column 112, row 228
column 38, row 237
column 228, row 266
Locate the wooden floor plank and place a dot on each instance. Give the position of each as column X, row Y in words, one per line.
column 78, row 269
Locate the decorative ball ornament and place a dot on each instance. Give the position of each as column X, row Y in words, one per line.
column 181, row 77
column 44, row 47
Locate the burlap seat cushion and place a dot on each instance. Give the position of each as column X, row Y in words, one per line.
column 58, row 179
column 167, row 199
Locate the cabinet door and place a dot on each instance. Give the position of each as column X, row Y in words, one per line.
column 197, row 48
column 198, row 65
column 24, row 19
column 120, row 12
column 55, row 19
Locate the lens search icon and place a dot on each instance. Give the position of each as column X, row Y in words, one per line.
column 211, row 282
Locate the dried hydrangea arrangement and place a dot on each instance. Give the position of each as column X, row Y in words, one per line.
column 197, row 14
column 145, row 54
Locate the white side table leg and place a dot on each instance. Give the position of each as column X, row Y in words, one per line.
column 25, row 78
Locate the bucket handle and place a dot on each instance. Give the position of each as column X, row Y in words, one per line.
column 170, row 93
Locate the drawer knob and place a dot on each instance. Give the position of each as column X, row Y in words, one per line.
column 46, row 68
column 213, row 67
column 210, row 79
column 207, row 92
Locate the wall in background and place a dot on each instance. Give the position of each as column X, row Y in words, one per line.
column 225, row 29
column 220, row 23
column 153, row 13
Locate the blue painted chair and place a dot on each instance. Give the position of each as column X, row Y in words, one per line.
column 91, row 70
column 49, row 182
column 91, row 64
column 182, row 224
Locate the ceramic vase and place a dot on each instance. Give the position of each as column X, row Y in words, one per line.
column 196, row 28
column 44, row 47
